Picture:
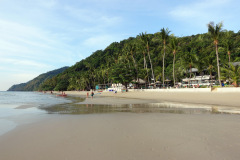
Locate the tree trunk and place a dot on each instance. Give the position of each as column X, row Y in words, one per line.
column 104, row 78
column 107, row 78
column 173, row 70
column 229, row 58
column 144, row 59
column 163, row 64
column 145, row 65
column 218, row 66
column 211, row 79
column 190, row 76
column 135, row 64
column 151, row 64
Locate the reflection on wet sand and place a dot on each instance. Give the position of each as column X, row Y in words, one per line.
column 72, row 108
column 79, row 106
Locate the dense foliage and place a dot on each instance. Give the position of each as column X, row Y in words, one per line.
column 34, row 84
column 142, row 57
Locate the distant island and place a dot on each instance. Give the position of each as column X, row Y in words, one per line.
column 34, row 84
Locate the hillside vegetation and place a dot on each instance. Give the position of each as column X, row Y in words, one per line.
column 34, row 84
column 143, row 57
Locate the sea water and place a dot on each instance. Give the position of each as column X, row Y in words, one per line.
column 15, row 107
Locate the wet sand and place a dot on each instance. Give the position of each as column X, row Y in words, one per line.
column 121, row 136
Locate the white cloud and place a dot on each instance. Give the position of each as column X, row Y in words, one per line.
column 195, row 15
column 25, row 63
column 92, row 17
column 31, row 42
column 100, row 41
column 199, row 9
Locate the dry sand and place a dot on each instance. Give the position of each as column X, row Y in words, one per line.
column 121, row 136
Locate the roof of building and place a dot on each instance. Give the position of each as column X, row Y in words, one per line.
column 193, row 70
column 236, row 63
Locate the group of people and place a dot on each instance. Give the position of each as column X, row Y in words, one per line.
column 92, row 94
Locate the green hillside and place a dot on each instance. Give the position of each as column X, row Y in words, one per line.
column 142, row 57
column 34, row 84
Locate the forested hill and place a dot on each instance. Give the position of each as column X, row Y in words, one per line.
column 33, row 85
column 143, row 57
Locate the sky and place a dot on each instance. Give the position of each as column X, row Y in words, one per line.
column 37, row 36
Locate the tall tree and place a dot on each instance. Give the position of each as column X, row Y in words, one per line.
column 131, row 48
column 214, row 32
column 145, row 38
column 174, row 47
column 164, row 35
column 191, row 60
column 142, row 49
column 229, row 46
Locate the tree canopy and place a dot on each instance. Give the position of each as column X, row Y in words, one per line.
column 142, row 56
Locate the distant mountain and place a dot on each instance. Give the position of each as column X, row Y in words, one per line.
column 34, row 84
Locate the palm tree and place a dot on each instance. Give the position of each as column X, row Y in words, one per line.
column 229, row 47
column 141, row 48
column 145, row 39
column 214, row 32
column 234, row 72
column 174, row 47
column 208, row 63
column 164, row 35
column 131, row 48
column 191, row 60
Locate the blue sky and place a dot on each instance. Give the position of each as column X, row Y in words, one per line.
column 37, row 36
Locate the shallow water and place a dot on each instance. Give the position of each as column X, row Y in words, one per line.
column 22, row 107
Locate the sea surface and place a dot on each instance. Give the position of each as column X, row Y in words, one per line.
column 22, row 107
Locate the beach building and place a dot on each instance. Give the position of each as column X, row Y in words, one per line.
column 116, row 87
column 137, row 84
column 102, row 86
column 198, row 79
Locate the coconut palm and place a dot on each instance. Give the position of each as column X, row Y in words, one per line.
column 229, row 46
column 174, row 47
column 214, row 32
column 164, row 35
column 131, row 48
column 189, row 60
column 143, row 50
column 234, row 72
column 145, row 39
column 208, row 63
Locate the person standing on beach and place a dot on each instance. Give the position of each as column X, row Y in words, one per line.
column 92, row 94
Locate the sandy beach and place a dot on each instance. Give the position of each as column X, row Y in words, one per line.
column 123, row 135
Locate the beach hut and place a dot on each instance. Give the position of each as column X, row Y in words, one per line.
column 140, row 83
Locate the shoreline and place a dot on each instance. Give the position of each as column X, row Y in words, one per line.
column 212, row 98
